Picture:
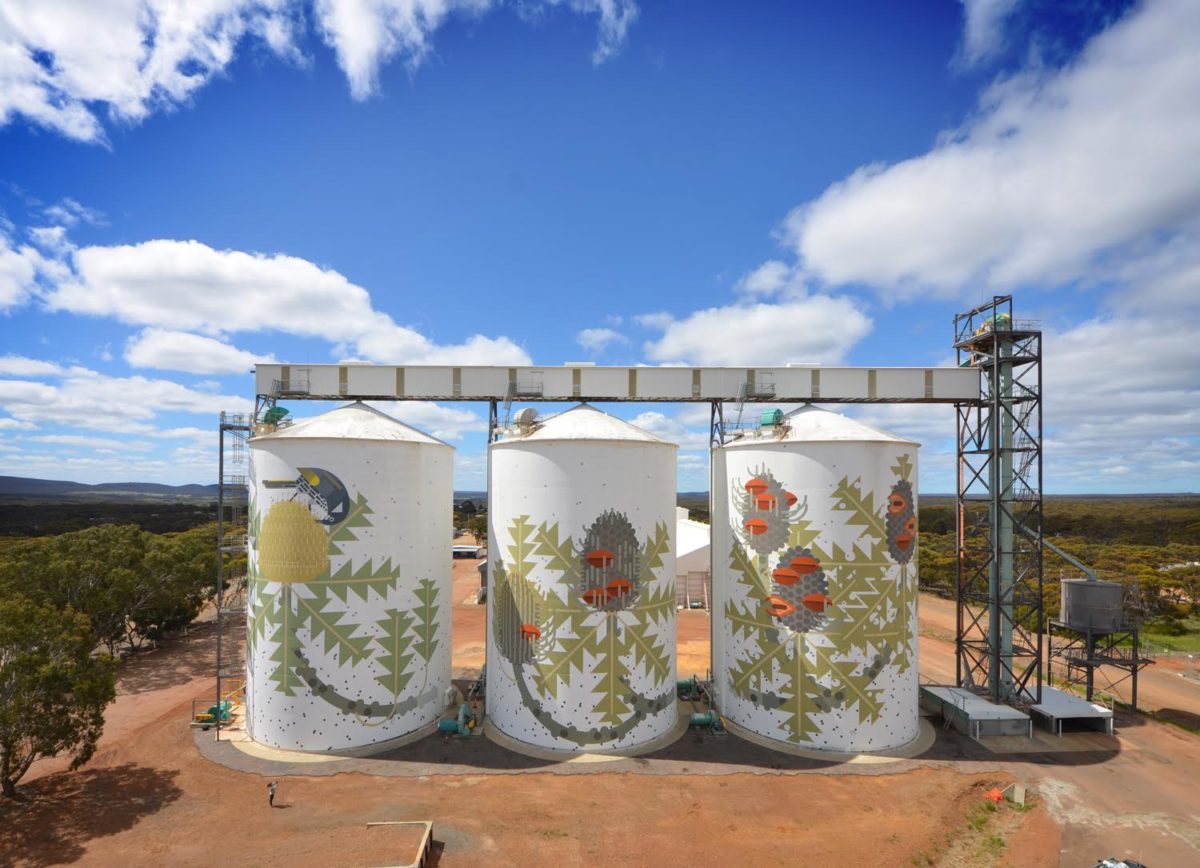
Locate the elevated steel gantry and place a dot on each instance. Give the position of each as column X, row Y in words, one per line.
column 999, row 507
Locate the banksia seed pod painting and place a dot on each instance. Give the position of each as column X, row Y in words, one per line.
column 820, row 606
column 591, row 615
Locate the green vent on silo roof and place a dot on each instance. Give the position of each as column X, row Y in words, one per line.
column 771, row 417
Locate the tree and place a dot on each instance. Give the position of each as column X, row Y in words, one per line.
column 53, row 690
column 178, row 570
column 477, row 526
column 132, row 585
column 94, row 571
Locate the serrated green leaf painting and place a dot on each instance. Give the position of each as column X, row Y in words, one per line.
column 590, row 615
column 315, row 618
column 820, row 601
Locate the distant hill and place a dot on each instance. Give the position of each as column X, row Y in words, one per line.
column 21, row 486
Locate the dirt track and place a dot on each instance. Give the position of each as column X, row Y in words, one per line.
column 148, row 798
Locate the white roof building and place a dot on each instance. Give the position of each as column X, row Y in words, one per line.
column 692, row 569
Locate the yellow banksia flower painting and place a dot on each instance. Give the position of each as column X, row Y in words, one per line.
column 293, row 545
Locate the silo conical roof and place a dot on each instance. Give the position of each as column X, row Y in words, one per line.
column 811, row 424
column 354, row 421
column 585, row 422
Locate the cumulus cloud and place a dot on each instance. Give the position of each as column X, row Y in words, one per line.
column 817, row 329
column 64, row 64
column 1057, row 169
column 597, row 339
column 180, row 351
column 216, row 292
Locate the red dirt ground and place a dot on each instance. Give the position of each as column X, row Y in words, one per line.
column 149, row 798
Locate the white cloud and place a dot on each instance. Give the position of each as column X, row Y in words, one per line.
column 189, row 286
column 445, row 423
column 470, row 471
column 1121, row 391
column 87, row 399
column 616, row 17
column 68, row 212
column 105, row 468
column 983, row 28
column 194, row 433
column 768, row 279
column 21, row 366
column 181, row 351
column 1164, row 280
column 64, row 64
column 366, row 34
column 817, row 329
column 15, row 425
column 18, row 269
column 94, row 442
column 1057, row 169
column 597, row 339
column 24, row 392
column 61, row 60
column 1116, row 371
column 658, row 320
column 680, row 429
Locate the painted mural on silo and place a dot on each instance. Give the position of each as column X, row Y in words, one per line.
column 581, row 600
column 348, row 615
column 815, row 584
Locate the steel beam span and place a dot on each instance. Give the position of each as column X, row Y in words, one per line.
column 793, row 384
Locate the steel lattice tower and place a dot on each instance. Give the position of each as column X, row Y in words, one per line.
column 999, row 589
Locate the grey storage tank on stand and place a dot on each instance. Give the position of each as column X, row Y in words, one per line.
column 1089, row 604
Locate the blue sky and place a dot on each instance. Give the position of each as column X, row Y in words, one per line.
column 186, row 187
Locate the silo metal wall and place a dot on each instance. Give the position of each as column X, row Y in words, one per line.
column 574, row 661
column 348, row 622
column 840, row 672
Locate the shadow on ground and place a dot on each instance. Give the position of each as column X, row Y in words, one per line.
column 696, row 752
column 178, row 660
column 52, row 819
column 1179, row 717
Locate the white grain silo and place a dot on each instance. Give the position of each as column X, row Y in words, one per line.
column 348, row 620
column 581, row 599
column 815, row 583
